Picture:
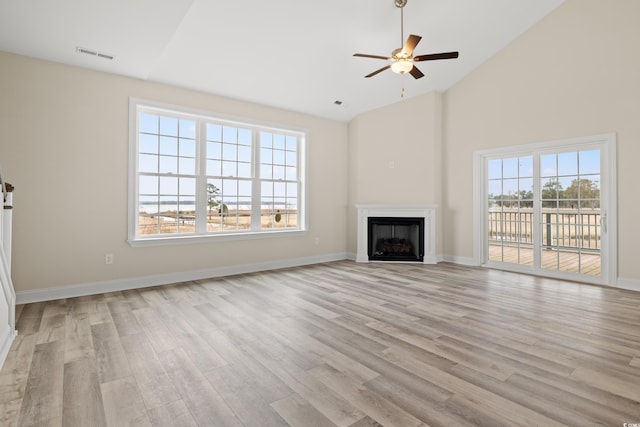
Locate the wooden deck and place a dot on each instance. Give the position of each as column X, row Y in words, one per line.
column 568, row 261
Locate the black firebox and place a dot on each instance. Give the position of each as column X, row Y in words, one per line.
column 395, row 239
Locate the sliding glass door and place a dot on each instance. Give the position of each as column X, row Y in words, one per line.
column 510, row 202
column 571, row 218
column 546, row 208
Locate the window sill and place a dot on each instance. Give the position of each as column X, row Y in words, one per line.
column 211, row 238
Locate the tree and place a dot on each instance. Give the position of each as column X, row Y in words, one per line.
column 586, row 191
column 213, row 193
column 552, row 190
column 522, row 198
column 525, row 198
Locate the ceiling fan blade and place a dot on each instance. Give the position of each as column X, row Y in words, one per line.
column 378, row 71
column 435, row 56
column 364, row 55
column 410, row 44
column 416, row 73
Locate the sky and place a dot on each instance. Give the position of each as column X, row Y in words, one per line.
column 511, row 175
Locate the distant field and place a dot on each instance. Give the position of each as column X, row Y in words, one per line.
column 173, row 223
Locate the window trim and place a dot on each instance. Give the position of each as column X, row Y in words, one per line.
column 135, row 240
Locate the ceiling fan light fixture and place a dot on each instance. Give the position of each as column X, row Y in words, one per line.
column 403, row 57
column 402, row 66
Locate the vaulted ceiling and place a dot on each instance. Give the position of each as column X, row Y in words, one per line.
column 291, row 54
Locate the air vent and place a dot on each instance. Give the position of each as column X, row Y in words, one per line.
column 337, row 102
column 94, row 53
column 105, row 56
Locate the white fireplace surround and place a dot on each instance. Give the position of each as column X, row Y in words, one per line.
column 428, row 212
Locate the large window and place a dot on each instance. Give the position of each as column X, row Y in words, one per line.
column 194, row 175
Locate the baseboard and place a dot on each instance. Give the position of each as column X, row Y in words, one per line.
column 6, row 346
column 71, row 291
column 459, row 260
column 630, row 284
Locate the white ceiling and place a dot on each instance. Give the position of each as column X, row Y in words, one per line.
column 291, row 54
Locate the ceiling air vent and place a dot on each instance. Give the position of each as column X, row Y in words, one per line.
column 94, row 53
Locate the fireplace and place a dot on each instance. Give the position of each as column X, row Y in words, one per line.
column 401, row 233
column 395, row 239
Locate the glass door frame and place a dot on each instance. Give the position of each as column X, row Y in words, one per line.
column 606, row 143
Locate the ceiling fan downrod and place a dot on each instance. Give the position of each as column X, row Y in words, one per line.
column 401, row 4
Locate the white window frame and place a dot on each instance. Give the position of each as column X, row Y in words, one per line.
column 137, row 105
column 607, row 144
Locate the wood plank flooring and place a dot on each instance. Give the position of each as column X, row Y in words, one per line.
column 336, row 344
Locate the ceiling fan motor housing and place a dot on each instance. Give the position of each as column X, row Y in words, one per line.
column 399, row 54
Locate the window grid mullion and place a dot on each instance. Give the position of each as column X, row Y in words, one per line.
column 256, row 182
column 537, row 211
column 201, row 178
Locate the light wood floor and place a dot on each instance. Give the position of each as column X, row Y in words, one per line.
column 332, row 344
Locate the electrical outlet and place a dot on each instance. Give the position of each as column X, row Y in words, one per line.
column 316, row 241
column 108, row 259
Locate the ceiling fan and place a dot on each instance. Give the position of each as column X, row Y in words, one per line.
column 403, row 59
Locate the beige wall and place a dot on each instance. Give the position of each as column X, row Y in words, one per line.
column 575, row 73
column 408, row 134
column 64, row 146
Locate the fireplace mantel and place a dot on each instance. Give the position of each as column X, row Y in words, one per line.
column 428, row 212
